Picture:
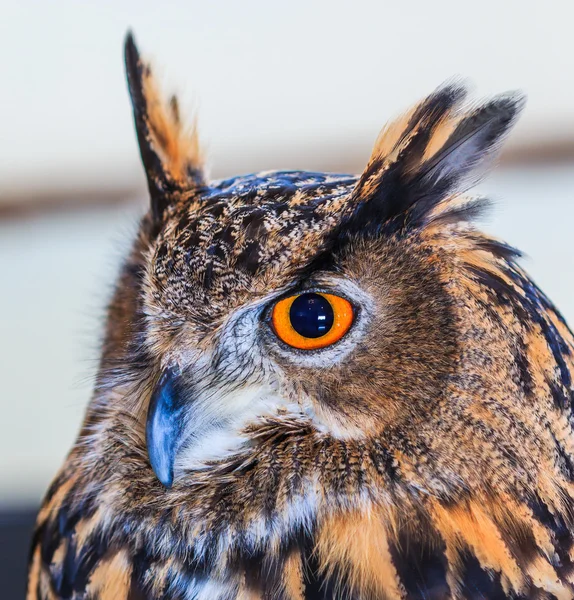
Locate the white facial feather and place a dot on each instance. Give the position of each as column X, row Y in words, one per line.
column 217, row 421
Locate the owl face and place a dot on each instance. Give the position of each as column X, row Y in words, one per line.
column 263, row 318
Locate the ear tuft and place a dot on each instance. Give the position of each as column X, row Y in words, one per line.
column 434, row 151
column 170, row 152
column 472, row 142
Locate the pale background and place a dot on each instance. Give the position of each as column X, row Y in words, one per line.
column 297, row 85
column 275, row 83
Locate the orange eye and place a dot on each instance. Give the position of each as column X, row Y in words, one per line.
column 312, row 320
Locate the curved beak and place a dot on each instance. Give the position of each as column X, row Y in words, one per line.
column 164, row 426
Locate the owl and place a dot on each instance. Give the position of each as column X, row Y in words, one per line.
column 320, row 386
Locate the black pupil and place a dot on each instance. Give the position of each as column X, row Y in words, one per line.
column 311, row 315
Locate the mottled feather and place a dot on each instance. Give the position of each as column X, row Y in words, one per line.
column 430, row 458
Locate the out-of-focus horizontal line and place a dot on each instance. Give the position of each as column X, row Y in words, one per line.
column 23, row 203
column 539, row 153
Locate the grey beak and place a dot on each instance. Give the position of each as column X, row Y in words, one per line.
column 164, row 426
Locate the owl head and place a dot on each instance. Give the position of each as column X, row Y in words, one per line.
column 329, row 299
column 291, row 350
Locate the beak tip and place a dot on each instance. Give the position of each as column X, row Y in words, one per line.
column 165, row 477
column 161, row 460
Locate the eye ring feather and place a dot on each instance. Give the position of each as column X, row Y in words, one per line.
column 311, row 320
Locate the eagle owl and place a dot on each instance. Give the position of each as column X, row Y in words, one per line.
column 318, row 386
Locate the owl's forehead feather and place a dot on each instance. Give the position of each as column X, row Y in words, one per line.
column 220, row 241
column 285, row 183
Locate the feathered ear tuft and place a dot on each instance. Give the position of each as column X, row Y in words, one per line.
column 434, row 151
column 170, row 153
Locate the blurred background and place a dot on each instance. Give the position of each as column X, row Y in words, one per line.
column 302, row 85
